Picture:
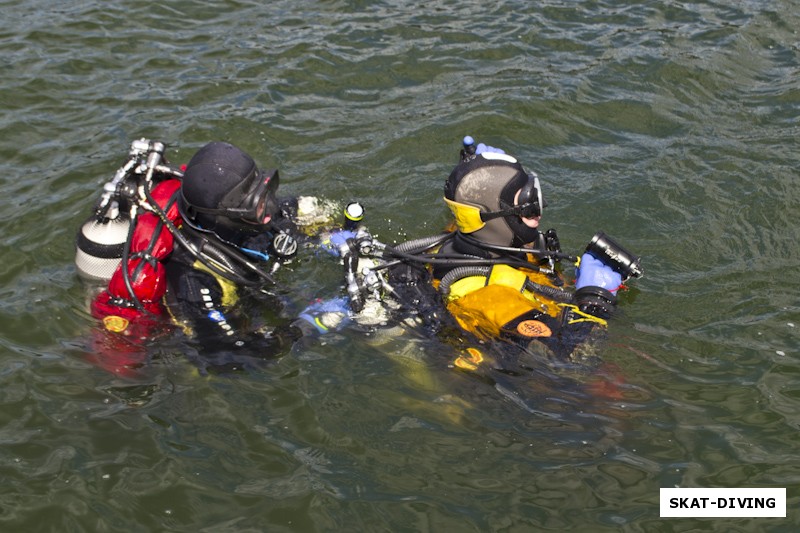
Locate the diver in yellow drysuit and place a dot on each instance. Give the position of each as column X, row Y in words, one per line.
column 520, row 295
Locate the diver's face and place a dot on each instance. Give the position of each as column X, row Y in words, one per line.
column 531, row 222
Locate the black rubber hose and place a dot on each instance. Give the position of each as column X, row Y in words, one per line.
column 456, row 274
column 554, row 293
column 232, row 254
column 126, row 275
column 460, row 273
column 501, row 249
column 423, row 243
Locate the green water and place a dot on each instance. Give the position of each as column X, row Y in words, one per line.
column 671, row 126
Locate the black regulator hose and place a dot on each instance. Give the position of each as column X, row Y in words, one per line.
column 414, row 251
column 228, row 256
column 219, row 258
column 126, row 275
column 461, row 273
column 533, row 251
column 454, row 260
column 212, row 263
column 423, row 243
column 554, row 293
column 211, row 250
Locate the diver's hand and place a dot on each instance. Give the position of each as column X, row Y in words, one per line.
column 335, row 240
column 481, row 148
column 593, row 273
column 326, row 315
column 597, row 286
column 471, row 149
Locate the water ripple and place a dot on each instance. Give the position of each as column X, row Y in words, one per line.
column 671, row 126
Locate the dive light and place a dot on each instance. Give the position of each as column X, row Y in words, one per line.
column 612, row 254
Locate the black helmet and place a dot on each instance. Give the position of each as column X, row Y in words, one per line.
column 481, row 193
column 224, row 191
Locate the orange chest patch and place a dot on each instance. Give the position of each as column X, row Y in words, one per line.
column 533, row 328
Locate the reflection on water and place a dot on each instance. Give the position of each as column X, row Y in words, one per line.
column 671, row 127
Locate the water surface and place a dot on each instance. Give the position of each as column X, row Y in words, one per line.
column 671, row 126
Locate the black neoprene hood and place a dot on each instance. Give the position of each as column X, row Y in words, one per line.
column 490, row 183
column 214, row 173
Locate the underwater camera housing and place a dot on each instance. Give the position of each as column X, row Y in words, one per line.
column 612, row 254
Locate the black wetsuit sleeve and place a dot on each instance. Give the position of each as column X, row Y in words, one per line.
column 225, row 338
column 413, row 286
